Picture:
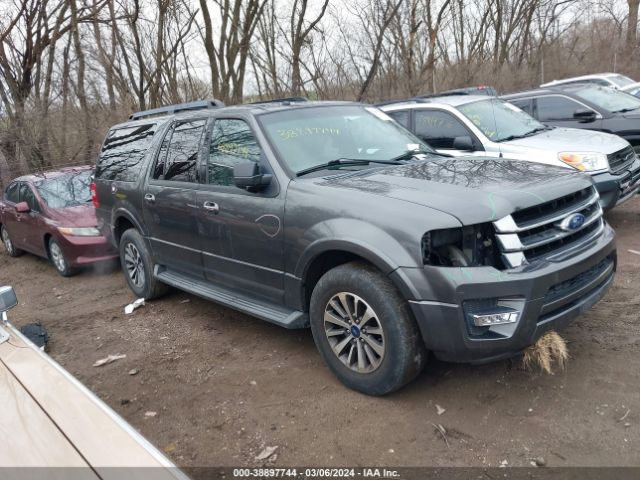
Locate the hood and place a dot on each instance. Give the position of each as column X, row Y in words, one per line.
column 634, row 114
column 79, row 216
column 571, row 139
column 474, row 190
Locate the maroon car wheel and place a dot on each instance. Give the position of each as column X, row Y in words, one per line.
column 10, row 248
column 59, row 260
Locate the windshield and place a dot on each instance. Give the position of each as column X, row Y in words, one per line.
column 307, row 137
column 68, row 190
column 609, row 99
column 500, row 120
column 620, row 80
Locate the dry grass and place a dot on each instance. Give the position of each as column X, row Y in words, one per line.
column 548, row 352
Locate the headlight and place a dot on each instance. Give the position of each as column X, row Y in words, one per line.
column 585, row 161
column 471, row 246
column 80, row 232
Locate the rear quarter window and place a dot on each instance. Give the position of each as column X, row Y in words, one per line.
column 123, row 151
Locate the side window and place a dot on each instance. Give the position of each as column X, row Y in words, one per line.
column 123, row 151
column 401, row 116
column 439, row 129
column 556, row 108
column 27, row 195
column 524, row 105
column 232, row 142
column 178, row 157
column 11, row 194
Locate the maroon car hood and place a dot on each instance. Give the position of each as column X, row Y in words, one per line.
column 80, row 216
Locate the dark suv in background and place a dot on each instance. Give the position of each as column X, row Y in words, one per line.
column 585, row 106
column 331, row 215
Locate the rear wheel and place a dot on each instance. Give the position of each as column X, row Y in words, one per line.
column 137, row 266
column 59, row 260
column 11, row 249
column 364, row 330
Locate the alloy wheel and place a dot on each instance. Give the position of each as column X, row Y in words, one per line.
column 6, row 241
column 57, row 257
column 354, row 332
column 134, row 265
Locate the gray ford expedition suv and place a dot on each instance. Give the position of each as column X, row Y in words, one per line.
column 331, row 215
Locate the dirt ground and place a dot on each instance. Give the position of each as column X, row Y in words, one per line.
column 225, row 385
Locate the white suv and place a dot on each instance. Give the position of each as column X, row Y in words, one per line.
column 612, row 80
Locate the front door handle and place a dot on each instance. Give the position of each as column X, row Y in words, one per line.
column 211, row 207
column 150, row 197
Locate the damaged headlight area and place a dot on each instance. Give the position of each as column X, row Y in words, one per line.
column 470, row 246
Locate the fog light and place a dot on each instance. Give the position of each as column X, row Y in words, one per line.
column 496, row 317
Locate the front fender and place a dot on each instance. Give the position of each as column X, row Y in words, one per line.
column 360, row 238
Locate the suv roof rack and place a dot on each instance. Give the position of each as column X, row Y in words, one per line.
column 281, row 100
column 179, row 107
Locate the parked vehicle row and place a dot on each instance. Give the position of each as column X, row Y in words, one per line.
column 333, row 216
column 489, row 126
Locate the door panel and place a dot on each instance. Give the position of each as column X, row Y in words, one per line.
column 170, row 216
column 170, row 209
column 240, row 232
column 32, row 223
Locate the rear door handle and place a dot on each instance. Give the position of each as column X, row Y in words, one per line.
column 150, row 197
column 211, row 207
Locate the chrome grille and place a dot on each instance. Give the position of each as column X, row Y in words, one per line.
column 538, row 232
column 621, row 159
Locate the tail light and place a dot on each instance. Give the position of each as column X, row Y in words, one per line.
column 94, row 195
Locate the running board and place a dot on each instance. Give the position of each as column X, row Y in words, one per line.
column 266, row 311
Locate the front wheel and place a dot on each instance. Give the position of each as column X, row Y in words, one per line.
column 59, row 260
column 11, row 249
column 137, row 266
column 364, row 330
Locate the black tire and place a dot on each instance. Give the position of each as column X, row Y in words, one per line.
column 139, row 275
column 59, row 260
column 9, row 247
column 404, row 354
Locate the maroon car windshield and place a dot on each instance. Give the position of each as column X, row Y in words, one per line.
column 67, row 190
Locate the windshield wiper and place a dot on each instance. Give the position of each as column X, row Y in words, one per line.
column 343, row 161
column 625, row 110
column 524, row 135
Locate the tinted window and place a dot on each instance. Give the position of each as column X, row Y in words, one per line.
column 178, row 157
column 232, row 142
column 556, row 108
column 123, row 151
column 68, row 190
column 27, row 195
column 439, row 129
column 11, row 193
column 402, row 117
column 524, row 105
column 313, row 136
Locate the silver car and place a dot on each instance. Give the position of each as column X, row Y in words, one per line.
column 490, row 127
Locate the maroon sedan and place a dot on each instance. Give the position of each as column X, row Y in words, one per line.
column 51, row 215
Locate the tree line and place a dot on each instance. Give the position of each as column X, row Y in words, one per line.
column 69, row 69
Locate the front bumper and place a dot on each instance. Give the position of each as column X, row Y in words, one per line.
column 551, row 295
column 616, row 189
column 81, row 251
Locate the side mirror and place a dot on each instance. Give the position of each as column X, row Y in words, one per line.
column 247, row 175
column 22, row 207
column 8, row 299
column 464, row 143
column 584, row 115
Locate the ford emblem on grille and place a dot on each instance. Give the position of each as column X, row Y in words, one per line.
column 572, row 222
